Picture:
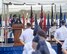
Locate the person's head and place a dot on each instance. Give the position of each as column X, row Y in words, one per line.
column 35, row 42
column 28, row 25
column 54, row 24
column 14, row 16
column 62, row 22
column 42, row 33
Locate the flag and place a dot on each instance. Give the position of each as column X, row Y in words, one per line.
column 10, row 18
column 56, row 20
column 44, row 23
column 0, row 24
column 48, row 24
column 31, row 17
column 41, row 17
column 26, row 19
column 23, row 20
column 37, row 27
column 0, row 21
column 19, row 16
column 52, row 15
column 60, row 17
column 65, row 17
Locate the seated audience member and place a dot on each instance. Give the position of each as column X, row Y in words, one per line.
column 61, row 33
column 52, row 29
column 64, row 47
column 42, row 46
column 28, row 48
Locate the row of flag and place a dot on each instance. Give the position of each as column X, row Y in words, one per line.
column 44, row 23
column 43, row 17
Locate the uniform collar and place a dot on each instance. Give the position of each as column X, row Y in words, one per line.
column 28, row 28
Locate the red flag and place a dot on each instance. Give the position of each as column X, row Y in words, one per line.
column 31, row 17
column 44, row 23
column 23, row 20
column 40, row 23
column 41, row 17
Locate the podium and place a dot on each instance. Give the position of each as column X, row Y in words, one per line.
column 17, row 30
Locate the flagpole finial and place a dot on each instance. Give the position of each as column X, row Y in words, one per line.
column 52, row 3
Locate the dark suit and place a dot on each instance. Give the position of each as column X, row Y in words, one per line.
column 18, row 21
column 36, row 52
column 13, row 21
column 41, row 47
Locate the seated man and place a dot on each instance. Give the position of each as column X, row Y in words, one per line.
column 42, row 46
column 28, row 48
column 64, row 47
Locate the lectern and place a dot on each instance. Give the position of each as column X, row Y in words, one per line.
column 17, row 29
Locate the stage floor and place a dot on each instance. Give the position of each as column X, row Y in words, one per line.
column 6, row 45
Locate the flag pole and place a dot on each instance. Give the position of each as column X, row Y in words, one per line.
column 6, row 23
column 60, row 16
column 55, row 11
column 52, row 14
column 3, row 14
